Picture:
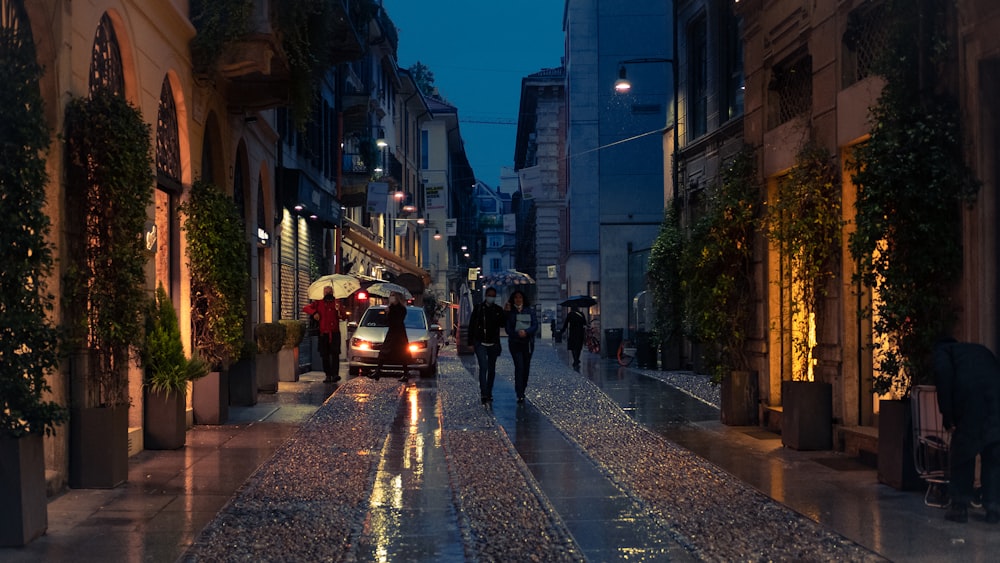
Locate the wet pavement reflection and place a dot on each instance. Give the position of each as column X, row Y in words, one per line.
column 605, row 522
column 411, row 515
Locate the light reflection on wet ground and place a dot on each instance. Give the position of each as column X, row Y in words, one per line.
column 411, row 515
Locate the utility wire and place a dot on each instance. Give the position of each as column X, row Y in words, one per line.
column 661, row 131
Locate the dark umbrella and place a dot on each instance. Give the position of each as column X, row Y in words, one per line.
column 579, row 301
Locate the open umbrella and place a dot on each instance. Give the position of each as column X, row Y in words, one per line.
column 579, row 301
column 342, row 284
column 383, row 289
column 510, row 277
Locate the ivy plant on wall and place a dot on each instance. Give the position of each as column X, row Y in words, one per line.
column 109, row 187
column 665, row 276
column 911, row 178
column 28, row 339
column 717, row 270
column 216, row 253
column 803, row 220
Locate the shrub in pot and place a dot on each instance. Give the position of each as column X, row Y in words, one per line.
column 29, row 346
column 220, row 277
column 270, row 340
column 168, row 371
column 717, row 286
column 288, row 356
column 109, row 187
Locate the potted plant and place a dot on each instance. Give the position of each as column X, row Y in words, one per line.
column 270, row 340
column 243, row 377
column 665, row 285
column 167, row 373
column 288, row 356
column 216, row 250
column 109, row 188
column 803, row 222
column 912, row 181
column 717, row 287
column 29, row 347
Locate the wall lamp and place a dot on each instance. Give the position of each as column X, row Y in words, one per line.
column 380, row 141
column 624, row 86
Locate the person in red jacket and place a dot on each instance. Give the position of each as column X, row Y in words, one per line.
column 327, row 313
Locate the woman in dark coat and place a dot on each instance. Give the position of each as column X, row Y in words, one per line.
column 576, row 324
column 396, row 346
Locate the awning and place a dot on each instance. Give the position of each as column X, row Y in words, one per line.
column 360, row 242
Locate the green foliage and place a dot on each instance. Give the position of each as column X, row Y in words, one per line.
column 911, row 178
column 424, row 78
column 28, row 341
column 217, row 22
column 717, row 269
column 270, row 338
column 665, row 276
column 167, row 368
column 804, row 221
column 217, row 259
column 295, row 331
column 109, row 187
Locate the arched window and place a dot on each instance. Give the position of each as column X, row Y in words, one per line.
column 106, row 60
column 168, row 148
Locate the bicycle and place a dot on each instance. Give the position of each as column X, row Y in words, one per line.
column 624, row 358
column 592, row 341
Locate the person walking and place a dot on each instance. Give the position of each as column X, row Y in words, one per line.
column 576, row 324
column 484, row 336
column 967, row 377
column 522, row 325
column 396, row 346
column 327, row 313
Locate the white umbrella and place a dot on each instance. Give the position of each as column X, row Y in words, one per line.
column 342, row 284
column 383, row 289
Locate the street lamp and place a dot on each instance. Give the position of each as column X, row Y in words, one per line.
column 624, row 86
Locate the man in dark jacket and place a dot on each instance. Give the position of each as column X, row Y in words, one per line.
column 968, row 385
column 484, row 334
column 576, row 324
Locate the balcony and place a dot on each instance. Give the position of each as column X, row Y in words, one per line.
column 255, row 64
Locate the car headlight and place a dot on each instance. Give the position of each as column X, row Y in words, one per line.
column 361, row 344
column 416, row 347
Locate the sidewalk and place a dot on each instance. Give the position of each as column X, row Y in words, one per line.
column 228, row 483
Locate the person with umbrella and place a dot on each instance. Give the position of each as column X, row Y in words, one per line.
column 326, row 312
column 576, row 324
column 396, row 346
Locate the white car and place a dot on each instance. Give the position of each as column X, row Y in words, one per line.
column 368, row 334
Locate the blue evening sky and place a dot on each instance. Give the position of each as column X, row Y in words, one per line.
column 479, row 50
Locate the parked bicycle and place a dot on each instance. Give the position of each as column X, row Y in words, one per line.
column 592, row 339
column 624, row 357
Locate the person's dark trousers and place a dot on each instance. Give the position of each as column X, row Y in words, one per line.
column 990, row 476
column 576, row 355
column 962, row 453
column 487, row 356
column 520, row 352
column 329, row 351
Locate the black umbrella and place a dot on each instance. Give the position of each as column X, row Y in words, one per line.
column 579, row 301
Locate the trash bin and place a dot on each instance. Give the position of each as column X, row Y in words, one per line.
column 612, row 340
column 645, row 350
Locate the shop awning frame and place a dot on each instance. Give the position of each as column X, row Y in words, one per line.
column 362, row 243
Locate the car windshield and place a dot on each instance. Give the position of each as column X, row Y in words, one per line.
column 377, row 318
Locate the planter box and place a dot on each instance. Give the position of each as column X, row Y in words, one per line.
column 670, row 355
column 243, row 384
column 98, row 447
column 210, row 398
column 288, row 364
column 22, row 490
column 739, row 398
column 267, row 373
column 164, row 423
column 895, row 446
column 807, row 417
